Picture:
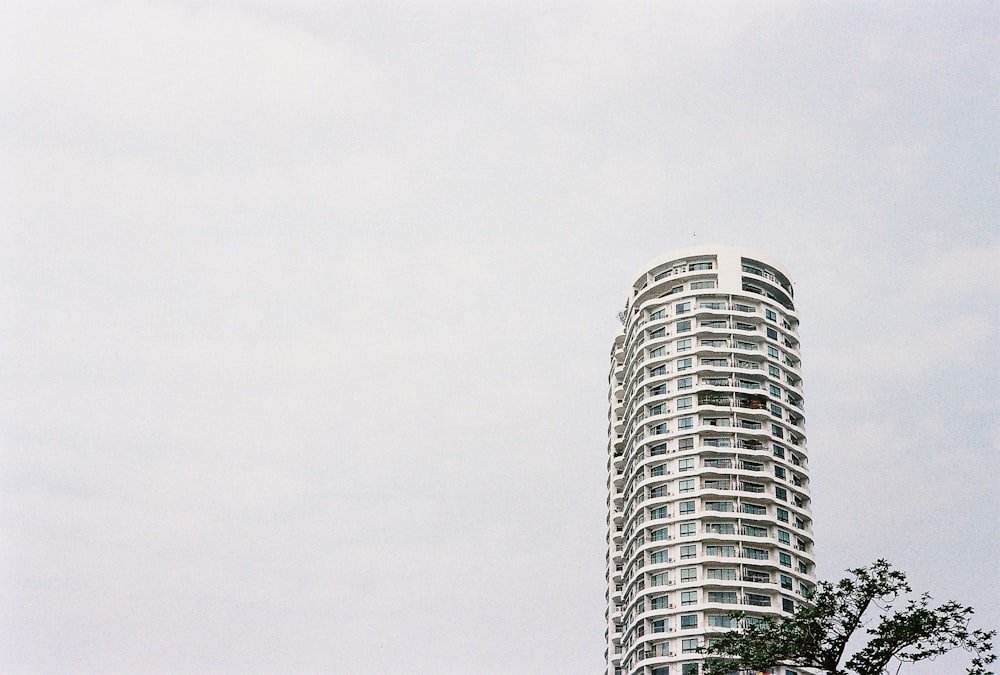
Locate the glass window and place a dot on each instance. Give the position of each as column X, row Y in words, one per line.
column 685, row 443
column 659, row 370
column 785, row 559
column 726, row 597
column 754, row 553
column 687, row 529
column 689, row 620
column 689, row 573
column 774, row 371
column 660, row 579
column 697, row 285
column 784, row 537
column 787, row 605
column 770, row 315
column 779, row 472
column 658, row 449
column 771, row 333
column 683, row 326
column 658, row 333
column 783, row 515
column 721, row 621
column 774, row 390
column 722, row 573
column 723, row 551
column 685, row 464
column 660, row 534
column 658, row 557
column 682, row 307
column 689, row 645
column 688, row 551
column 776, row 410
column 684, row 383
column 689, row 597
column 690, row 668
column 659, row 351
column 660, row 626
column 777, row 431
column 686, row 507
column 686, row 485
column 772, row 352
column 781, row 493
column 684, row 364
column 683, row 344
column 700, row 266
column 685, row 423
column 786, row 582
column 779, row 451
column 659, row 512
column 684, row 403
column 662, row 602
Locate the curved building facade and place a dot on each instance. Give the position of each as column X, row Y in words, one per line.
column 708, row 466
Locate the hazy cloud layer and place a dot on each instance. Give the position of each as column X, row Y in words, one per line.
column 309, row 306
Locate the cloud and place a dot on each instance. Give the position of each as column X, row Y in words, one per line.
column 193, row 84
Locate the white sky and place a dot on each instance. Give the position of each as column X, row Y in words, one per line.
column 308, row 308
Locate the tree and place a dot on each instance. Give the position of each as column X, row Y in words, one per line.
column 817, row 635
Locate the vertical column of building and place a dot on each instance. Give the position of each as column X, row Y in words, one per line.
column 708, row 488
column 616, row 489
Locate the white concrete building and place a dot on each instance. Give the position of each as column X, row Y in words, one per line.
column 708, row 469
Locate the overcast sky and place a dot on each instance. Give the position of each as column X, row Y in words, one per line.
column 307, row 310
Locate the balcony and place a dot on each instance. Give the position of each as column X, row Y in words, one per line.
column 751, row 402
column 720, row 485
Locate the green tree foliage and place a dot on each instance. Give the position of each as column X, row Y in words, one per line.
column 818, row 634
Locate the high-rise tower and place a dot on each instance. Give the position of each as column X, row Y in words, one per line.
column 708, row 471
